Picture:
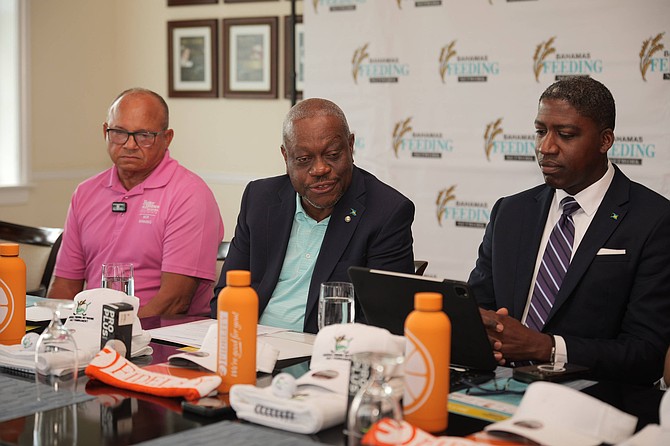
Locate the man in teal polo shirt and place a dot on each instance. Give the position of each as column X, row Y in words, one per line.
column 298, row 230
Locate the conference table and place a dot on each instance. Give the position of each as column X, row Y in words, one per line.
column 117, row 417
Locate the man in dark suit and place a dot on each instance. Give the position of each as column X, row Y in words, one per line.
column 309, row 226
column 611, row 310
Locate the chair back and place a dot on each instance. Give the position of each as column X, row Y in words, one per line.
column 420, row 266
column 223, row 251
column 220, row 257
column 38, row 247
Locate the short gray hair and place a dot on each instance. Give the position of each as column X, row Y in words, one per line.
column 311, row 108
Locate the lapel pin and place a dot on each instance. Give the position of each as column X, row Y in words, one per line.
column 614, row 216
column 347, row 219
column 352, row 212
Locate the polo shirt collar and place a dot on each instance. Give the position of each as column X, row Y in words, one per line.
column 302, row 215
column 158, row 178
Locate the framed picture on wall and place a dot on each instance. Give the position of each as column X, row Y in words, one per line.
column 250, row 57
column 190, row 2
column 294, row 57
column 193, row 59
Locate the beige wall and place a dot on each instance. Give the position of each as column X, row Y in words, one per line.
column 83, row 52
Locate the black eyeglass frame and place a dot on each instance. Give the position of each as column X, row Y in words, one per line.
column 129, row 134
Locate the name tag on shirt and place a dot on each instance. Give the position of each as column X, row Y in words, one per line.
column 119, row 206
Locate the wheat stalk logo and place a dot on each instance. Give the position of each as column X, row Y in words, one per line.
column 650, row 47
column 444, row 197
column 446, row 53
column 493, row 129
column 315, row 3
column 542, row 51
column 400, row 129
column 359, row 56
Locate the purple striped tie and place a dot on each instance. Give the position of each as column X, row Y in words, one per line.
column 555, row 262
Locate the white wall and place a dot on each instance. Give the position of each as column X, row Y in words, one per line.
column 84, row 52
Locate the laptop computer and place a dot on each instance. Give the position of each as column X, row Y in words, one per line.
column 386, row 298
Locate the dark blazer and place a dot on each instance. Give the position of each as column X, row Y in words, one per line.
column 379, row 235
column 612, row 310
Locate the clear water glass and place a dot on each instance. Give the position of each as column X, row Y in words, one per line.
column 56, row 356
column 336, row 304
column 378, row 399
column 118, row 276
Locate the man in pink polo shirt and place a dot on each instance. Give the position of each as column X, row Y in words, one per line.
column 146, row 210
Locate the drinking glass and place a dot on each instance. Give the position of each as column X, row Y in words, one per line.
column 118, row 276
column 56, row 359
column 336, row 303
column 377, row 399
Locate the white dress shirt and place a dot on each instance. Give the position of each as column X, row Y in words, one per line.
column 589, row 200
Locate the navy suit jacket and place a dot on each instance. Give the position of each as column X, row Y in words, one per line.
column 612, row 310
column 379, row 235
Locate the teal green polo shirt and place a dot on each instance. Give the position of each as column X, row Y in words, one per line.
column 286, row 308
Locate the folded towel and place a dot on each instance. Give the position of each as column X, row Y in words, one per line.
column 113, row 369
column 21, row 357
column 18, row 358
column 310, row 410
column 318, row 399
column 84, row 324
column 388, row 432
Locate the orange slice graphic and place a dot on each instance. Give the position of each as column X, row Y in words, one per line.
column 6, row 306
column 419, row 374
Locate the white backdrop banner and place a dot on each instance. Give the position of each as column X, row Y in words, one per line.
column 442, row 95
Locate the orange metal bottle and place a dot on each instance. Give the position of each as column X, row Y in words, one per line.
column 427, row 356
column 12, row 294
column 237, row 319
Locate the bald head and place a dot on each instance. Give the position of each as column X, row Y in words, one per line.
column 137, row 113
column 161, row 105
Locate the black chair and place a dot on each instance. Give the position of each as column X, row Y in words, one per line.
column 38, row 248
column 223, row 251
column 220, row 257
column 420, row 266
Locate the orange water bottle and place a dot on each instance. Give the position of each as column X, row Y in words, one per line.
column 12, row 294
column 237, row 319
column 427, row 356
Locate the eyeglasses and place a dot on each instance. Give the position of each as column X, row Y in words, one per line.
column 142, row 139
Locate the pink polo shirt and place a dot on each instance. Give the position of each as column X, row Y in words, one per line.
column 172, row 224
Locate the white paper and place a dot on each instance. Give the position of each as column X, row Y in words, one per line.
column 190, row 333
column 289, row 343
column 193, row 333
